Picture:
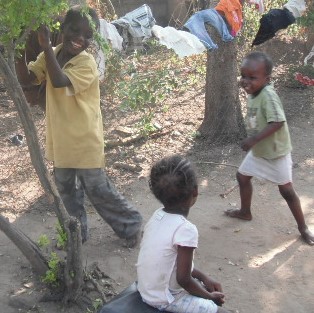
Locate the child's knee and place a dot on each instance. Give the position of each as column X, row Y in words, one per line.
column 242, row 179
column 287, row 192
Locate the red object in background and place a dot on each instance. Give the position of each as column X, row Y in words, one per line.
column 305, row 80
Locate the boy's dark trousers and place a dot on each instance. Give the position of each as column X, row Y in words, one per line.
column 109, row 203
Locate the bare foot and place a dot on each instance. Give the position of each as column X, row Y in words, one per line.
column 238, row 214
column 308, row 237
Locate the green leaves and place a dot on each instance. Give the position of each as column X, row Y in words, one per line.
column 51, row 276
column 20, row 16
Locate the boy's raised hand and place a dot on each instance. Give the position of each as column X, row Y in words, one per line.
column 44, row 36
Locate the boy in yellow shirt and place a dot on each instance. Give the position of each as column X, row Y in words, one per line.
column 74, row 127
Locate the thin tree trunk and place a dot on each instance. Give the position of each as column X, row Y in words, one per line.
column 26, row 246
column 73, row 272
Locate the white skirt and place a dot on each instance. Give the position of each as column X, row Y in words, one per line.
column 278, row 171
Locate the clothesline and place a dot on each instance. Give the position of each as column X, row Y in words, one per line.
column 131, row 30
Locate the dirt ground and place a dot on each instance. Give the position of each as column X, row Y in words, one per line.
column 263, row 265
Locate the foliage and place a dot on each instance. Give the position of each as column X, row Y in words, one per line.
column 15, row 27
column 35, row 12
column 62, row 237
column 304, row 70
column 51, row 276
column 300, row 76
column 43, row 241
column 307, row 20
column 113, row 73
column 102, row 43
column 142, row 85
column 97, row 303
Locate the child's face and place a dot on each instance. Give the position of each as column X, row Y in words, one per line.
column 253, row 76
column 77, row 36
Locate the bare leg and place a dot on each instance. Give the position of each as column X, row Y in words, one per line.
column 246, row 191
column 288, row 193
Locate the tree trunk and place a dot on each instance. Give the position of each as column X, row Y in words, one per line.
column 26, row 246
column 73, row 276
column 223, row 121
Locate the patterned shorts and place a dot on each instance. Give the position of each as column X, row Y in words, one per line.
column 186, row 303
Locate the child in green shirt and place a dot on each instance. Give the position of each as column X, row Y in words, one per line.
column 268, row 145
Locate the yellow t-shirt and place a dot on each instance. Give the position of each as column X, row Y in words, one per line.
column 74, row 127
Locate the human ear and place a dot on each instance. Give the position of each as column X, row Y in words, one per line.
column 195, row 192
column 268, row 77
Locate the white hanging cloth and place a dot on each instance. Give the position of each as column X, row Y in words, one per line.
column 183, row 43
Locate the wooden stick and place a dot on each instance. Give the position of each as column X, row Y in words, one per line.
column 216, row 163
column 228, row 191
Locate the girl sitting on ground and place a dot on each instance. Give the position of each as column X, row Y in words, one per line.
column 167, row 279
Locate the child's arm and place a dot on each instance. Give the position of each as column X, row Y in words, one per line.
column 192, row 284
column 249, row 142
column 57, row 77
column 25, row 76
column 210, row 284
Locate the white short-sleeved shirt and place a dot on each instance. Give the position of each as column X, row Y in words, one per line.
column 156, row 265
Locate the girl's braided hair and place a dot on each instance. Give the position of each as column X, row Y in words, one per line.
column 172, row 180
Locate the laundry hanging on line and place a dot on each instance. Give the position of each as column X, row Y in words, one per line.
column 135, row 27
column 277, row 19
column 271, row 22
column 296, row 7
column 196, row 25
column 183, row 43
column 232, row 11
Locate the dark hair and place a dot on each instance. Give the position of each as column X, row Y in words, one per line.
column 172, row 180
column 79, row 11
column 263, row 57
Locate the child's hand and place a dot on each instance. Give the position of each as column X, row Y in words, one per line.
column 44, row 37
column 218, row 297
column 211, row 285
column 248, row 143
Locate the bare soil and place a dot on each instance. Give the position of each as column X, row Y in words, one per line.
column 263, row 265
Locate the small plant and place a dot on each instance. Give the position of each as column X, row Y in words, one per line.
column 307, row 20
column 51, row 276
column 145, row 125
column 113, row 73
column 62, row 237
column 43, row 241
column 196, row 134
column 97, row 303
